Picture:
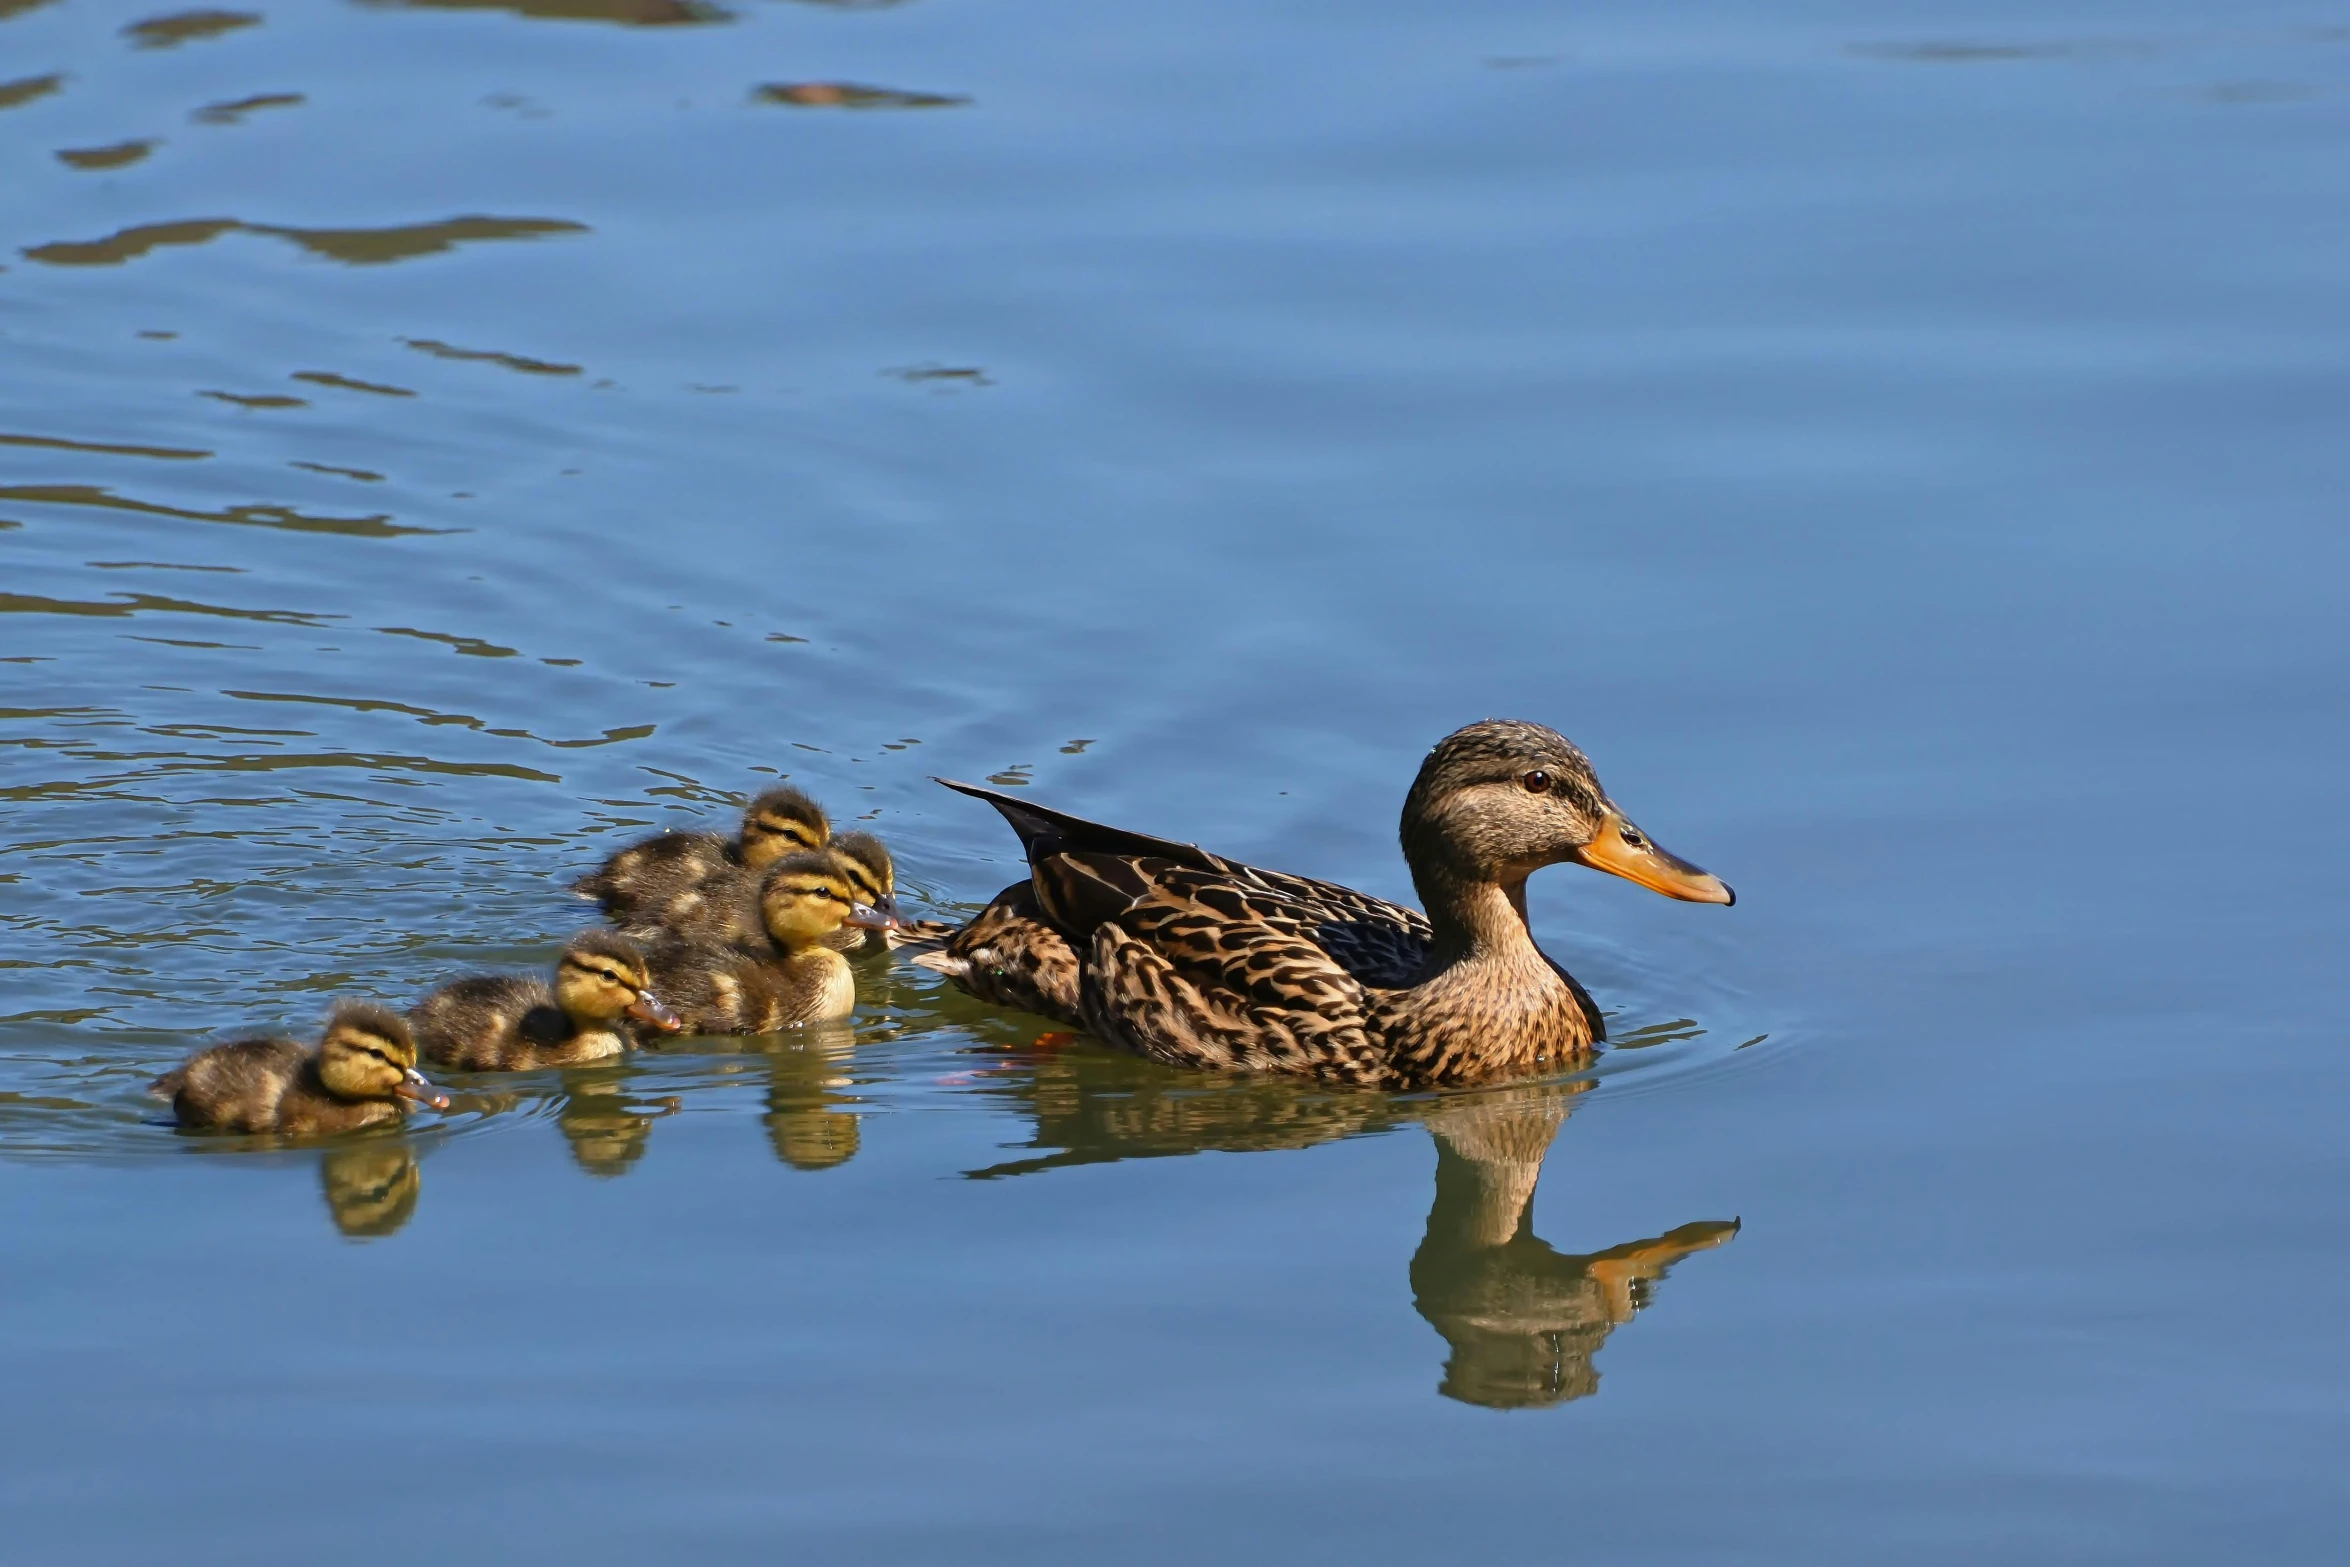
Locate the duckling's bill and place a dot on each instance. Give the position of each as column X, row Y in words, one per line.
column 648, row 1010
column 415, row 1086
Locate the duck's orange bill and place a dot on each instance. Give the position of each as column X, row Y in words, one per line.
column 1622, row 849
column 415, row 1087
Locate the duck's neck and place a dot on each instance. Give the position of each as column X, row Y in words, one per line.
column 1487, row 1003
column 1476, row 921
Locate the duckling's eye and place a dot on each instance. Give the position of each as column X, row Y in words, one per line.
column 1536, row 782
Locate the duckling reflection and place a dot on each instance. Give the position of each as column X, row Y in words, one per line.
column 1523, row 1320
column 370, row 1188
column 606, row 1128
column 806, row 1125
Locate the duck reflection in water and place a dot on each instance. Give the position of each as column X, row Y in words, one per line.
column 370, row 1187
column 1523, row 1319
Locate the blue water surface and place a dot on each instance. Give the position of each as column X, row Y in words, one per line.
column 1901, row 443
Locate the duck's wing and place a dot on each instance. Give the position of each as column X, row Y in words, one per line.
column 1086, row 873
column 1202, row 970
column 1380, row 943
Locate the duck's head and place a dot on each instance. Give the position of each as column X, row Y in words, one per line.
column 869, row 866
column 602, row 977
column 1501, row 799
column 808, row 896
column 778, row 822
column 368, row 1054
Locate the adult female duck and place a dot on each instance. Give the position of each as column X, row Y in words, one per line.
column 1196, row 960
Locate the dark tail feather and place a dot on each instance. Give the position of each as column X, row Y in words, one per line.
column 1044, row 831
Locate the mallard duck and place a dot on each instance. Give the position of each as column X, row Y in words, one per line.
column 1196, row 960
column 659, row 881
column 515, row 1022
column 719, row 988
column 363, row 1073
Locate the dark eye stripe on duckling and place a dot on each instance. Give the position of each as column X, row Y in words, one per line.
column 796, row 831
column 815, row 890
column 599, row 972
column 372, row 1045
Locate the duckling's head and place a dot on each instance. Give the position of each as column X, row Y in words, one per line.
column 778, row 822
column 1501, row 799
column 808, row 896
column 602, row 977
column 368, row 1054
column 869, row 866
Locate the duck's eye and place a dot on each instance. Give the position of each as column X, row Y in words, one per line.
column 1536, row 782
column 1631, row 835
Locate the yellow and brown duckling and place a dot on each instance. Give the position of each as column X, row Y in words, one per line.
column 1192, row 959
column 720, row 988
column 659, row 882
column 724, row 908
column 602, row 994
column 363, row 1073
column 876, row 876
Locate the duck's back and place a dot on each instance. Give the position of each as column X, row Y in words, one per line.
column 656, row 873
column 235, row 1087
column 502, row 1023
column 1086, row 873
column 715, row 988
column 721, row 908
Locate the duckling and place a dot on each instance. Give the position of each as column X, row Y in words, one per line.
column 515, row 1022
column 718, row 988
column 658, row 881
column 723, row 910
column 363, row 1073
column 877, row 884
